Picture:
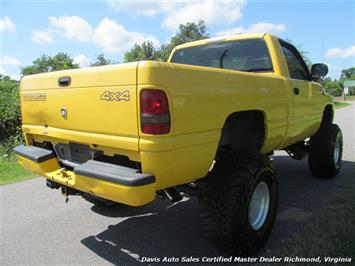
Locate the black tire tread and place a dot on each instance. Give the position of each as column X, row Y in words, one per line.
column 321, row 150
column 223, row 197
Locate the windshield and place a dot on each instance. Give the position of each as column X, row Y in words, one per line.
column 244, row 55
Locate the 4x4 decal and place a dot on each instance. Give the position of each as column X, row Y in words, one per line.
column 115, row 96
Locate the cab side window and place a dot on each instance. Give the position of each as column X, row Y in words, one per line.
column 296, row 65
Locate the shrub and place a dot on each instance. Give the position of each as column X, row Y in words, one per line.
column 10, row 118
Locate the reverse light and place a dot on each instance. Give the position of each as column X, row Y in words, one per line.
column 155, row 117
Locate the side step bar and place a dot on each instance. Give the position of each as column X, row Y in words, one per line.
column 33, row 153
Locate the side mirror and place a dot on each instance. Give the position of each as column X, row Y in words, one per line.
column 319, row 71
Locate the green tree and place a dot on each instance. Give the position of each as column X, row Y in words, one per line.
column 305, row 57
column 10, row 118
column 333, row 87
column 303, row 53
column 190, row 32
column 348, row 74
column 144, row 51
column 187, row 32
column 101, row 61
column 47, row 63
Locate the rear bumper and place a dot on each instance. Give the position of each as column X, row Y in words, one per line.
column 108, row 181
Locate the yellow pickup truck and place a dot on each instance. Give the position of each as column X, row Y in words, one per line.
column 204, row 123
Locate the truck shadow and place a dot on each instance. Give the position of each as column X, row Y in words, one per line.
column 163, row 229
column 158, row 230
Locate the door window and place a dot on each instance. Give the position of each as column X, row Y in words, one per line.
column 295, row 63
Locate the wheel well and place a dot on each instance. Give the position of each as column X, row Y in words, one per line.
column 244, row 131
column 328, row 115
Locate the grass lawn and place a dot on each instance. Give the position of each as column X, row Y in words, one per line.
column 11, row 171
column 331, row 233
column 347, row 98
column 338, row 105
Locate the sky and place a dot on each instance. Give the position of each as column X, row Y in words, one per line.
column 84, row 29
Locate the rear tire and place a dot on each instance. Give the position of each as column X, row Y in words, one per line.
column 231, row 216
column 325, row 151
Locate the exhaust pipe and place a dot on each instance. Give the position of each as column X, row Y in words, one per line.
column 173, row 194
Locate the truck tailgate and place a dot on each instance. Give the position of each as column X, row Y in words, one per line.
column 99, row 100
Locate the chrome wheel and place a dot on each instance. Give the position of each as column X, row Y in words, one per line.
column 337, row 150
column 259, row 206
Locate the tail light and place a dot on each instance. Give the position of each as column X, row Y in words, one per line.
column 155, row 118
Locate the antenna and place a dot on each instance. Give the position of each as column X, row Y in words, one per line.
column 323, row 43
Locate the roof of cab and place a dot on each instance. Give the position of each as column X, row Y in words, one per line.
column 222, row 38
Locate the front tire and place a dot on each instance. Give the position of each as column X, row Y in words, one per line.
column 325, row 151
column 238, row 202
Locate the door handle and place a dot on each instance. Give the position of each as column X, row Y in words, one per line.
column 296, row 91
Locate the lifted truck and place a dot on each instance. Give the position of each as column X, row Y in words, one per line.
column 207, row 120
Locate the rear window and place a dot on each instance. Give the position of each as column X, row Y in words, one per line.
column 243, row 55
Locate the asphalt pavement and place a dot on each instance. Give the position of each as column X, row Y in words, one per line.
column 38, row 227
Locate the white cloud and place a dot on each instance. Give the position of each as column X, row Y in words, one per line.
column 176, row 12
column 267, row 27
column 114, row 38
column 147, row 8
column 334, row 70
column 254, row 28
column 7, row 60
column 333, row 67
column 3, row 72
column 74, row 28
column 341, row 53
column 12, row 64
column 109, row 35
column 212, row 12
column 42, row 37
column 82, row 60
column 15, row 76
column 6, row 24
column 138, row 7
column 149, row 12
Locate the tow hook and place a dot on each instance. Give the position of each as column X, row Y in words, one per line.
column 63, row 172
